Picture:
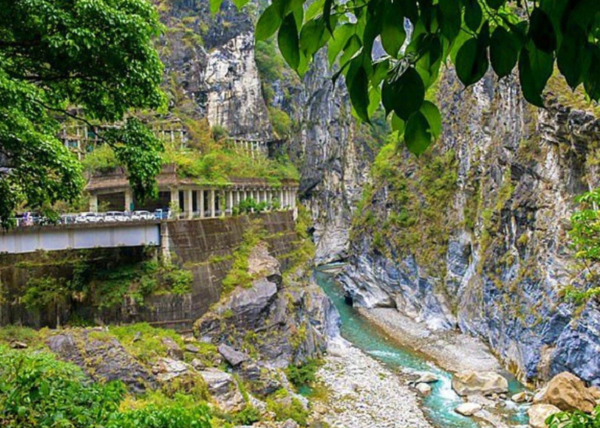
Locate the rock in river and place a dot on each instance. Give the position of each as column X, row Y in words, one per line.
column 468, row 409
column 473, row 383
column 424, row 389
column 538, row 413
column 567, row 392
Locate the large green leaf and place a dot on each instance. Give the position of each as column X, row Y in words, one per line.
column 215, row 6
column 535, row 68
column 572, row 58
column 268, row 23
column 592, row 83
column 288, row 41
column 473, row 15
column 341, row 35
column 450, row 18
column 405, row 94
column 358, row 87
column 541, row 31
column 495, row 4
column 471, row 62
column 434, row 118
column 417, row 135
column 393, row 34
column 504, row 52
column 313, row 36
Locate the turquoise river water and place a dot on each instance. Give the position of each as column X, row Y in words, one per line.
column 440, row 404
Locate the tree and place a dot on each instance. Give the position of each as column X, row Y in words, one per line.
column 419, row 36
column 86, row 60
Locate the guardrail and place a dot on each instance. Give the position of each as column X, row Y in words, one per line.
column 90, row 218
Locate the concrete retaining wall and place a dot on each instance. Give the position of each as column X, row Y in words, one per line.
column 204, row 247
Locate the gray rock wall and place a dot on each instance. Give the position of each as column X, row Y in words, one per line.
column 496, row 260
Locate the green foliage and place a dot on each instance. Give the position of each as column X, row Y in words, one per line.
column 175, row 416
column 531, row 36
column 16, row 333
column 585, row 240
column 143, row 341
column 97, row 56
column 36, row 390
column 304, row 374
column 575, row 419
column 219, row 163
column 248, row 416
column 420, row 191
column 238, row 275
column 288, row 409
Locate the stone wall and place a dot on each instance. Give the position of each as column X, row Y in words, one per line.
column 204, row 247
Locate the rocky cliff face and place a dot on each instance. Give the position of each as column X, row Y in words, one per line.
column 212, row 72
column 210, row 67
column 474, row 236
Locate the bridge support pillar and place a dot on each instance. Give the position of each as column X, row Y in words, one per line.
column 211, row 203
column 188, row 203
column 165, row 246
column 94, row 203
column 201, row 194
column 128, row 201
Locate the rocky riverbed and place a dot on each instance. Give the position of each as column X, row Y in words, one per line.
column 451, row 350
column 365, row 394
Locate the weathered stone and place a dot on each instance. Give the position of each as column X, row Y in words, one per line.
column 567, row 392
column 168, row 369
column 538, row 413
column 233, row 357
column 427, row 378
column 173, row 349
column 262, row 264
column 468, row 409
column 261, row 380
column 197, row 364
column 223, row 389
column 472, row 383
column 521, row 397
column 191, row 348
column 18, row 345
column 595, row 391
column 424, row 389
column 290, row 424
column 104, row 358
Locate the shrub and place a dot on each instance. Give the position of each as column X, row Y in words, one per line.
column 288, row 410
column 575, row 419
column 174, row 416
column 248, row 416
column 303, row 374
column 38, row 391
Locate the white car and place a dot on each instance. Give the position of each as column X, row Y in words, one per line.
column 142, row 215
column 115, row 216
column 87, row 218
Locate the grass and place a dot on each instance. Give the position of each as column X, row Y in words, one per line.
column 143, row 341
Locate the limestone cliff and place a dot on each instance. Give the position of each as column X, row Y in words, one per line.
column 474, row 235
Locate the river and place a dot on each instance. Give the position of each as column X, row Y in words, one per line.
column 440, row 404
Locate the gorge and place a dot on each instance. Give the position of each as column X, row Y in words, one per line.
column 361, row 304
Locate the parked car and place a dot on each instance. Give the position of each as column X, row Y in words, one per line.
column 115, row 216
column 160, row 214
column 142, row 215
column 87, row 218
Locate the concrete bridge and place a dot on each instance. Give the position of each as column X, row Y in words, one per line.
column 81, row 236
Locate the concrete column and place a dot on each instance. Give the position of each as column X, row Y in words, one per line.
column 174, row 198
column 230, row 201
column 94, row 203
column 211, row 203
column 128, row 200
column 280, row 198
column 201, row 203
column 187, row 203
